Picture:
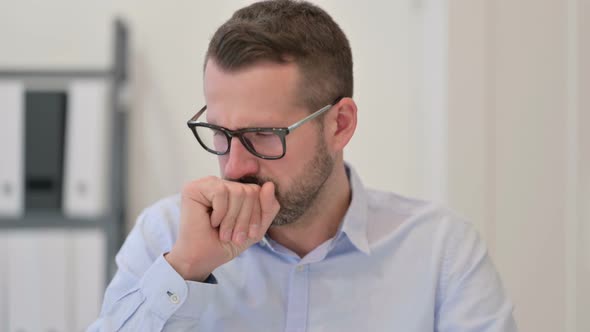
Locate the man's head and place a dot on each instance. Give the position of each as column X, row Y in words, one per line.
column 270, row 65
column 285, row 31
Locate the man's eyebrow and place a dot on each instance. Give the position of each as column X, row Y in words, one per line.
column 248, row 126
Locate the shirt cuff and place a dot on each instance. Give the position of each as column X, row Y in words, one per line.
column 167, row 293
column 164, row 288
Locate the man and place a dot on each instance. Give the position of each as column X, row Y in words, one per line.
column 289, row 239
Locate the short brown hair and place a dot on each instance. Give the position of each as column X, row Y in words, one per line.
column 285, row 31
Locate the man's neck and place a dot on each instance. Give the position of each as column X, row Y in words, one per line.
column 321, row 221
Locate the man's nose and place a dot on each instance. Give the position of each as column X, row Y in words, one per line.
column 239, row 161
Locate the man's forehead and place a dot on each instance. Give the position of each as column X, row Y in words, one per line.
column 265, row 93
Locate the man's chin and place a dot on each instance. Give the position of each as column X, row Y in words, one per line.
column 284, row 220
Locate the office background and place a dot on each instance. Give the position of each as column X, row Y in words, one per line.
column 482, row 105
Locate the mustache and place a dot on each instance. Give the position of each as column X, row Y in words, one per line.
column 252, row 179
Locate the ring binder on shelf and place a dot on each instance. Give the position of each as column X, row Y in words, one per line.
column 11, row 148
column 87, row 149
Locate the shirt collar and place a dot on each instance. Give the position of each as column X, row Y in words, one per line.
column 354, row 224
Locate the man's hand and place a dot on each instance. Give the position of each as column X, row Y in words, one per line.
column 219, row 219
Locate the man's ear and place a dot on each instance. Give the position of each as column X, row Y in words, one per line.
column 340, row 124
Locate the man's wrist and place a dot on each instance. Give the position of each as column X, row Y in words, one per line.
column 188, row 271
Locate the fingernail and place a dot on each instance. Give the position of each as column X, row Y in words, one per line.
column 226, row 236
column 253, row 230
column 241, row 237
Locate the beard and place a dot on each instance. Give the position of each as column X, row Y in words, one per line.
column 304, row 190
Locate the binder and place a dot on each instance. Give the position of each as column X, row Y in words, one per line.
column 88, row 134
column 44, row 143
column 11, row 148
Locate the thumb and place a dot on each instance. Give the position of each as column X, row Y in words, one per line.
column 269, row 205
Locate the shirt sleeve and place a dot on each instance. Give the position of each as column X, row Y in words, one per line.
column 146, row 293
column 471, row 298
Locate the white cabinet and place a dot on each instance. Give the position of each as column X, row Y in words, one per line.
column 89, row 266
column 53, row 279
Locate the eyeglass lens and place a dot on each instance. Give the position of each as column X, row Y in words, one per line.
column 265, row 143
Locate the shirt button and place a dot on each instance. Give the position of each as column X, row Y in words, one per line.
column 173, row 298
column 300, row 268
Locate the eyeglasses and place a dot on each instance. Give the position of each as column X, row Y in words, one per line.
column 265, row 143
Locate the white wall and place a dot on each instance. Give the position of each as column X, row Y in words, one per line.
column 582, row 259
column 518, row 149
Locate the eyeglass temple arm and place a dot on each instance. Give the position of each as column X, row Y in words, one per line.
column 314, row 115
column 196, row 116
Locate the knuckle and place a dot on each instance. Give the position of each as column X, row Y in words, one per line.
column 238, row 192
column 189, row 187
column 198, row 185
column 207, row 180
column 220, row 187
column 251, row 191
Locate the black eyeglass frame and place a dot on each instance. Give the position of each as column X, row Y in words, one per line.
column 281, row 132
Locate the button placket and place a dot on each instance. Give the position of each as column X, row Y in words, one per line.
column 298, row 300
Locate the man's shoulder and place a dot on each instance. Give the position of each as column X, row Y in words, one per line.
column 168, row 204
column 394, row 203
column 395, row 207
column 163, row 216
column 391, row 214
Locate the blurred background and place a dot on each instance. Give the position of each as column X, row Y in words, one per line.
column 481, row 105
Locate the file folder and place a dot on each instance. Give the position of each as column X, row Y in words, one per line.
column 88, row 135
column 44, row 143
column 11, row 148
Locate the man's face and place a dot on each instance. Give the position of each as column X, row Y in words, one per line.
column 265, row 95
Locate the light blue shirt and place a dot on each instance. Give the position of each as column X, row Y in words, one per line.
column 396, row 264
